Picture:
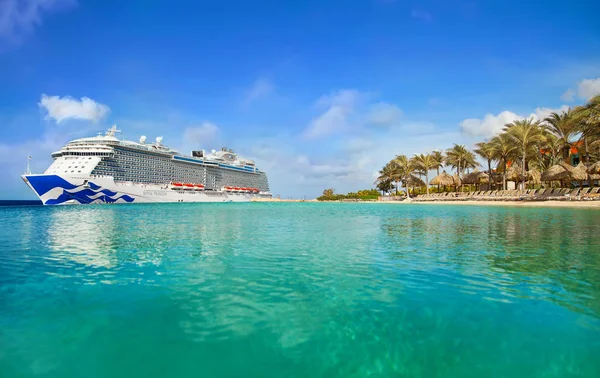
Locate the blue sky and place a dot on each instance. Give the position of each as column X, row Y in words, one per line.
column 320, row 93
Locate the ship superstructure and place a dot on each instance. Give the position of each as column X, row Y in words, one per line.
column 106, row 169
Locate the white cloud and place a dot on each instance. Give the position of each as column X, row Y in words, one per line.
column 568, row 96
column 347, row 164
column 330, row 122
column 384, row 114
column 347, row 98
column 64, row 108
column 261, row 88
column 492, row 125
column 540, row 114
column 19, row 17
column 588, row 88
column 335, row 119
column 489, row 126
column 202, row 134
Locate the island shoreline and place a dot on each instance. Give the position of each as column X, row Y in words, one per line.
column 538, row 204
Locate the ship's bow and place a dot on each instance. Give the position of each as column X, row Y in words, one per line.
column 59, row 190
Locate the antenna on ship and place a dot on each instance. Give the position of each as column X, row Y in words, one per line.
column 28, row 171
column 112, row 131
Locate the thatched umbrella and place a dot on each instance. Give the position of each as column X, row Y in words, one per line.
column 594, row 169
column 476, row 177
column 415, row 181
column 443, row 179
column 514, row 173
column 577, row 173
column 555, row 173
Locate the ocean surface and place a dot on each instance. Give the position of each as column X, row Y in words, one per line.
column 299, row 290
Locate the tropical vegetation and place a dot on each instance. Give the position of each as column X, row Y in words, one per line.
column 362, row 195
column 525, row 148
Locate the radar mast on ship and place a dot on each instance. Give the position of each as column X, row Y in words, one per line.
column 112, row 131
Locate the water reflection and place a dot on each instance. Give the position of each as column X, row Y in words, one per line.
column 288, row 273
column 299, row 289
column 512, row 253
column 84, row 235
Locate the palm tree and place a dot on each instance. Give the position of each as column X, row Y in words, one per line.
column 404, row 170
column 588, row 116
column 562, row 126
column 524, row 132
column 460, row 158
column 549, row 151
column 486, row 151
column 385, row 186
column 504, row 149
column 438, row 158
column 470, row 161
column 455, row 155
column 387, row 173
column 425, row 163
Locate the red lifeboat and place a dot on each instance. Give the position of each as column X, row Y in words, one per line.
column 199, row 186
column 188, row 185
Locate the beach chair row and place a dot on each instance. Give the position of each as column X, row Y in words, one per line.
column 548, row 194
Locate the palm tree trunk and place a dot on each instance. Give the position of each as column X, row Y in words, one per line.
column 396, row 187
column 491, row 179
column 438, row 173
column 427, row 182
column 504, row 177
column 458, row 174
column 524, row 173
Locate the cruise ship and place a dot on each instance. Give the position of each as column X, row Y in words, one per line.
column 107, row 169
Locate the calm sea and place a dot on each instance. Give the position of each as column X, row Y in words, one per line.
column 299, row 290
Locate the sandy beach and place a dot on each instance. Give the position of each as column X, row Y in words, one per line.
column 562, row 204
column 571, row 204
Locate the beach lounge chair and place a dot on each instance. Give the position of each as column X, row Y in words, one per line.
column 592, row 194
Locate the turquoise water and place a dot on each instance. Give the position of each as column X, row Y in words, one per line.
column 299, row 290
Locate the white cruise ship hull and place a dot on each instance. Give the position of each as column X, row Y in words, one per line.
column 55, row 189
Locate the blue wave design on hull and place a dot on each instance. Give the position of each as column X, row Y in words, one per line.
column 43, row 184
column 84, row 198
